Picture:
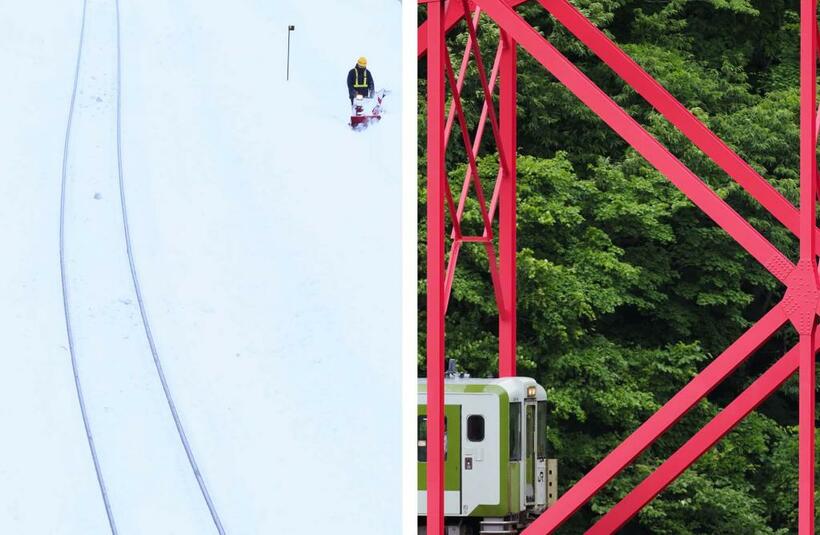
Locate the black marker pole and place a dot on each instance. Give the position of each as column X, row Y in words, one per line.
column 287, row 73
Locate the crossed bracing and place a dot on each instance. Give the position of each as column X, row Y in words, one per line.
column 799, row 305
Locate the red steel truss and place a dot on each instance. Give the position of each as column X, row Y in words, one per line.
column 799, row 305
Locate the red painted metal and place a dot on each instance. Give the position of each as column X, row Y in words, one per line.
column 643, row 142
column 454, row 13
column 674, row 112
column 799, row 305
column 488, row 97
column 805, row 287
column 696, row 446
column 479, row 134
column 488, row 231
column 455, row 247
column 462, row 72
column 439, row 194
column 472, row 177
column 436, row 185
column 658, row 423
column 507, row 209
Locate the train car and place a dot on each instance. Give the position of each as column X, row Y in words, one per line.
column 497, row 477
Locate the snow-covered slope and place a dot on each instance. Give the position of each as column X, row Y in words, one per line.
column 265, row 238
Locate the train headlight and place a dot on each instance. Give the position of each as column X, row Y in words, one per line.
column 530, row 391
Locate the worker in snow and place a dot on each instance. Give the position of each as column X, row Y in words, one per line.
column 360, row 81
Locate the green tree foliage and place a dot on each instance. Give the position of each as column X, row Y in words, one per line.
column 626, row 290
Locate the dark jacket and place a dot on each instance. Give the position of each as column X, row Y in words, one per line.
column 359, row 82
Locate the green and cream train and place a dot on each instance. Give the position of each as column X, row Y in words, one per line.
column 496, row 473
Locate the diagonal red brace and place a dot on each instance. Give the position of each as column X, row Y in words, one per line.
column 661, row 100
column 462, row 72
column 643, row 142
column 658, row 423
column 700, row 442
column 488, row 96
column 465, row 136
column 479, row 134
column 675, row 112
column 454, row 13
column 488, row 245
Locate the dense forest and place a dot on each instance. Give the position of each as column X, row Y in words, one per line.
column 625, row 289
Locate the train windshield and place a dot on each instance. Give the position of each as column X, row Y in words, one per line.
column 515, row 431
column 541, row 430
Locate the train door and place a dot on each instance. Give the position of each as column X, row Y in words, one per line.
column 452, row 459
column 541, row 456
column 481, row 451
column 529, row 465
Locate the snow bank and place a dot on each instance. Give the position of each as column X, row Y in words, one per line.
column 266, row 237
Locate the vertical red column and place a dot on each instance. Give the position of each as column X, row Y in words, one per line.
column 435, row 268
column 808, row 191
column 507, row 318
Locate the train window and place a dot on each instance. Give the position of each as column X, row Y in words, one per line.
column 541, row 429
column 422, row 438
column 515, row 431
column 422, row 432
column 475, row 428
column 530, row 430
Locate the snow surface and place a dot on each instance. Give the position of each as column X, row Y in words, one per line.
column 266, row 239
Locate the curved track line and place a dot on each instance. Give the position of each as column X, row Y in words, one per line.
column 69, row 332
column 143, row 312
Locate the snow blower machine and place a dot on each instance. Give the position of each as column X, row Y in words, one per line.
column 366, row 110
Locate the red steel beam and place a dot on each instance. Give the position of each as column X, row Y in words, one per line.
column 455, row 12
column 462, row 72
column 657, row 424
column 488, row 112
column 457, row 240
column 488, row 96
column 451, row 207
column 808, row 196
column 455, row 247
column 507, row 338
column 723, row 215
column 800, row 303
column 675, row 112
column 468, row 147
column 699, row 444
column 479, row 134
column 436, row 184
column 643, row 142
column 817, row 113
column 488, row 231
column 659, row 98
column 450, row 275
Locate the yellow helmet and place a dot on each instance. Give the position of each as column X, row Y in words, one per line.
column 362, row 62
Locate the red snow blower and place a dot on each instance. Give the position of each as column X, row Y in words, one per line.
column 366, row 110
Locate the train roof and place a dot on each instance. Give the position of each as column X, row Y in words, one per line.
column 515, row 387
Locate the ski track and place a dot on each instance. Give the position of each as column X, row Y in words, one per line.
column 93, row 114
